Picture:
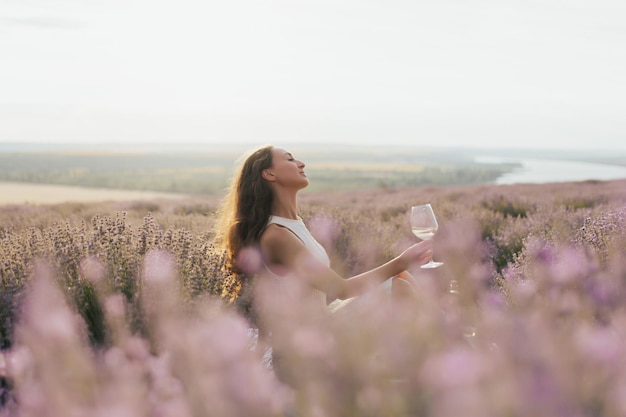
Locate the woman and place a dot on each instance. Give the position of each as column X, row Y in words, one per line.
column 260, row 216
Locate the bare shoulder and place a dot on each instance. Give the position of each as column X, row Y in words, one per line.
column 276, row 235
column 280, row 245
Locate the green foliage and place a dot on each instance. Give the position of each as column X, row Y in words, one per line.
column 180, row 173
column 582, row 202
column 363, row 179
column 498, row 229
column 89, row 307
column 507, row 207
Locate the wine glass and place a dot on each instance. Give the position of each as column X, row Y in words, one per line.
column 424, row 226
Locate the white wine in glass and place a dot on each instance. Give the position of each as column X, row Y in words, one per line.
column 424, row 226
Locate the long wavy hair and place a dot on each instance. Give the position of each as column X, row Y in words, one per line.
column 246, row 208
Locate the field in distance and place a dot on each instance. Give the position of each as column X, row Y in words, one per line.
column 208, row 172
column 20, row 193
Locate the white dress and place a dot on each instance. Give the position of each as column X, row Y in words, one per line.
column 298, row 228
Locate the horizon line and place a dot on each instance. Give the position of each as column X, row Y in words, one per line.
column 145, row 146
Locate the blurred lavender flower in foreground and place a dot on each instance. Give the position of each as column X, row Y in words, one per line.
column 534, row 328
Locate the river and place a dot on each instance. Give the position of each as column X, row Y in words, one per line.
column 539, row 171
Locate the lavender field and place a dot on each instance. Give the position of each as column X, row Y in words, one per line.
column 123, row 309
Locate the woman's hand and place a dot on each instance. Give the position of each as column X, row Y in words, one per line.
column 418, row 253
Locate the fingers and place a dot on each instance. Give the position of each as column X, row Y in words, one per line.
column 425, row 252
column 418, row 253
column 425, row 247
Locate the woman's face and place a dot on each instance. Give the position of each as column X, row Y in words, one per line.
column 286, row 170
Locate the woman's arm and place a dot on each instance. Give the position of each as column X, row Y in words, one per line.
column 282, row 248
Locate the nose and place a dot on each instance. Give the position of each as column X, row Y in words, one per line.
column 301, row 164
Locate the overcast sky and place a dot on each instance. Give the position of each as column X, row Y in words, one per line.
column 548, row 73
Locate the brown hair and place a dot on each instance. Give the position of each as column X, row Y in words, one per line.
column 246, row 208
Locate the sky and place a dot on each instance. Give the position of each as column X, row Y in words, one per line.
column 486, row 73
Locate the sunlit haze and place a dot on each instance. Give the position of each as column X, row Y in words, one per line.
column 483, row 73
